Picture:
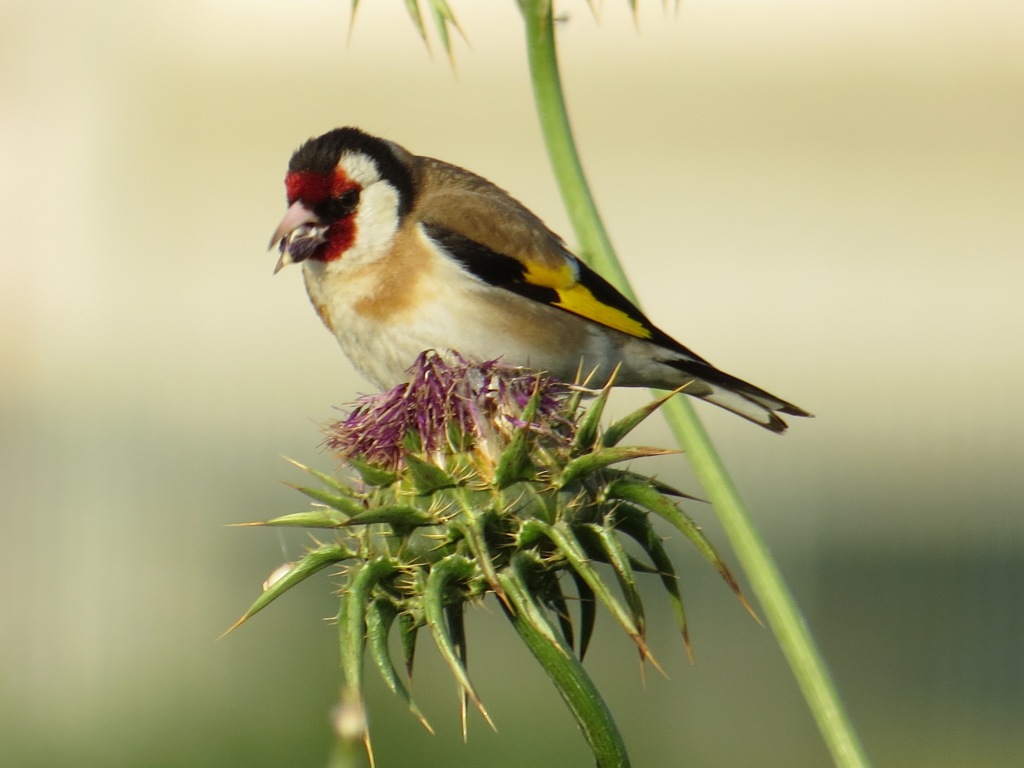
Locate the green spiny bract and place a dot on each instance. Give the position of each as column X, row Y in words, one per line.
column 471, row 477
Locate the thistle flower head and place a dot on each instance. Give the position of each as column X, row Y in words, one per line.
column 451, row 405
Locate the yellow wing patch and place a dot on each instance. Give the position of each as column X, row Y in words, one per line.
column 575, row 297
column 580, row 301
column 564, row 275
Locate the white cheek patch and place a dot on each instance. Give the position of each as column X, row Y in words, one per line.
column 376, row 223
column 359, row 168
column 376, row 219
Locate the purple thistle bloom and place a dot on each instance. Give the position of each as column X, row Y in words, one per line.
column 448, row 398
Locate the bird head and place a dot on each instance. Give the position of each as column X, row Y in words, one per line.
column 347, row 195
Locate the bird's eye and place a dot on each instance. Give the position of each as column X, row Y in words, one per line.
column 337, row 208
column 347, row 203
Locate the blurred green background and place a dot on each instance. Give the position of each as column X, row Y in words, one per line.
column 823, row 198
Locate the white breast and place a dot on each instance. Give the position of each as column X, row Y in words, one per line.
column 417, row 298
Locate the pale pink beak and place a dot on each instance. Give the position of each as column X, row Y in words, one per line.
column 298, row 234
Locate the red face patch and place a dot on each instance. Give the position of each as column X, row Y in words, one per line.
column 312, row 187
column 340, row 237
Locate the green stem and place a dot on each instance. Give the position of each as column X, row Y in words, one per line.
column 594, row 242
column 565, row 670
column 780, row 608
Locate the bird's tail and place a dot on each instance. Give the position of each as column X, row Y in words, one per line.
column 736, row 395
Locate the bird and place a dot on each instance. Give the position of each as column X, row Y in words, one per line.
column 403, row 253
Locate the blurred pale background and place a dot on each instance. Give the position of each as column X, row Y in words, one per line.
column 826, row 198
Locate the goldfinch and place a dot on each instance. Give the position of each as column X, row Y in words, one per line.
column 403, row 253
